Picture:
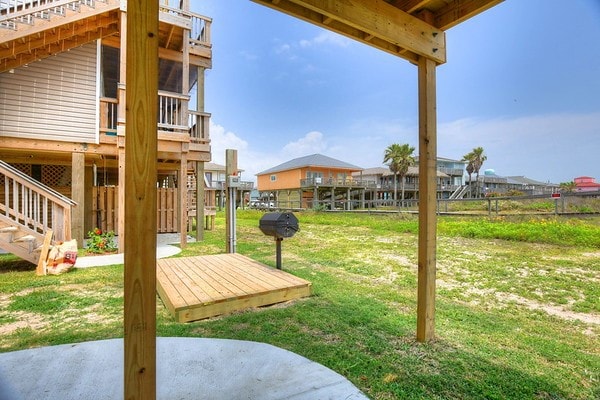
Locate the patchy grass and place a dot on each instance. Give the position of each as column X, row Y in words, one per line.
column 518, row 312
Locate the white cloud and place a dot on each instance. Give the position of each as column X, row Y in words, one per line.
column 221, row 140
column 283, row 48
column 248, row 56
column 554, row 148
column 557, row 147
column 326, row 37
column 312, row 142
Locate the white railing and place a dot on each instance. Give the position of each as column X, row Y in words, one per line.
column 171, row 114
column 29, row 203
column 200, row 32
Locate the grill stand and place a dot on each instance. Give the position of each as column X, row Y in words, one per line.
column 278, row 252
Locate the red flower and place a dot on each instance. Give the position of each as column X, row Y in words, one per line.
column 97, row 231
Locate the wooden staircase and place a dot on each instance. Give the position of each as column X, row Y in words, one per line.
column 32, row 215
column 34, row 29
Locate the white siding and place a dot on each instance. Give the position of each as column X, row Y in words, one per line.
column 55, row 98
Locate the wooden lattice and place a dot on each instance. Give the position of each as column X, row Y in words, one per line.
column 24, row 168
column 56, row 175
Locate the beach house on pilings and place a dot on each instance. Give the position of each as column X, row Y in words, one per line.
column 62, row 116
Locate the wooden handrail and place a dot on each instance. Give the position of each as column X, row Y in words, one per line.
column 30, row 204
column 23, row 8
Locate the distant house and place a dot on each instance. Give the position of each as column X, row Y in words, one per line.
column 308, row 181
column 215, row 181
column 529, row 186
column 490, row 182
column 586, row 184
column 450, row 178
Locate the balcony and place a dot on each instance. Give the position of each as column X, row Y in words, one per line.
column 338, row 183
column 173, row 124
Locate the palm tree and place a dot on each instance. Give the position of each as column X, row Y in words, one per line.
column 399, row 158
column 475, row 160
column 567, row 187
column 469, row 158
column 478, row 160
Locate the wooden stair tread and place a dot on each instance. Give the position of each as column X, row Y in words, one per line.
column 26, row 238
column 8, row 229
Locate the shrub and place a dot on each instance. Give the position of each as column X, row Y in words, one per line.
column 101, row 242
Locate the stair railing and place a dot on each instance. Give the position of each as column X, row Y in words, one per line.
column 29, row 203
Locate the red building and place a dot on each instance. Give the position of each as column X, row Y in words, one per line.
column 586, row 184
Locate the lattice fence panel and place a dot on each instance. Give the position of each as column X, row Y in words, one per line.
column 24, row 168
column 56, row 175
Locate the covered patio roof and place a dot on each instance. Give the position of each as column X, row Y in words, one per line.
column 410, row 29
column 406, row 28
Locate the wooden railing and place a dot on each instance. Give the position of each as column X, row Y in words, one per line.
column 27, row 11
column 171, row 115
column 199, row 25
column 310, row 182
column 29, row 203
column 199, row 127
column 108, row 116
column 171, row 118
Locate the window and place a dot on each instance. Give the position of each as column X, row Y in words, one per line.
column 273, row 178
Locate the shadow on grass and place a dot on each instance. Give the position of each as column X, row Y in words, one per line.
column 11, row 263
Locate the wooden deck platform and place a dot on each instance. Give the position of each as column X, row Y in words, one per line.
column 199, row 287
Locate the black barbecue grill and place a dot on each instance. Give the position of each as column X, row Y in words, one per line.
column 280, row 225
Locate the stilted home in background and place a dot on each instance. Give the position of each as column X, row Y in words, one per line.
column 216, row 179
column 449, row 177
column 312, row 181
column 62, row 114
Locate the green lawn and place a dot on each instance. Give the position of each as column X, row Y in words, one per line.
column 518, row 305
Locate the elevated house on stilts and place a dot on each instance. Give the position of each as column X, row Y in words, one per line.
column 62, row 118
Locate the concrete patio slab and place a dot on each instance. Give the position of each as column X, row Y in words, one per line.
column 187, row 368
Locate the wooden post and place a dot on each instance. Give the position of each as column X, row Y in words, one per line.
column 200, row 188
column 78, row 195
column 230, row 169
column 185, row 89
column 121, row 134
column 140, row 200
column 427, row 200
column 200, row 199
column 183, row 203
column 89, row 199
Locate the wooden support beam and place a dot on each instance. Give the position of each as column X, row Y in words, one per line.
column 230, row 169
column 200, row 199
column 183, row 203
column 78, row 195
column 387, row 27
column 121, row 111
column 457, row 11
column 427, row 200
column 140, row 200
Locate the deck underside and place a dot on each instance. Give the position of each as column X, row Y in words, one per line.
column 200, row 287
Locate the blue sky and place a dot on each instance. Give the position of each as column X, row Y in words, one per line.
column 522, row 81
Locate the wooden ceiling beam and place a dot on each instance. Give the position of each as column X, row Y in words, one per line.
column 8, row 63
column 457, row 11
column 391, row 29
column 16, row 47
column 409, row 6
